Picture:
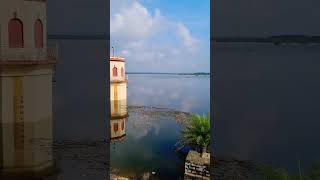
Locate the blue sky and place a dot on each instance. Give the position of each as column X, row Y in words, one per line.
column 162, row 35
column 195, row 14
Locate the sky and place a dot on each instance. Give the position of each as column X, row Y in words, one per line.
column 257, row 18
column 161, row 35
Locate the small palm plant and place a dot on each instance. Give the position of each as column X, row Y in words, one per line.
column 197, row 132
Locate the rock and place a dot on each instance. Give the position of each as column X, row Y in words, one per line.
column 195, row 158
column 146, row 176
column 197, row 165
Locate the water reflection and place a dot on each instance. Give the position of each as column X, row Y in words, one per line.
column 26, row 149
column 144, row 140
column 180, row 92
column 118, row 120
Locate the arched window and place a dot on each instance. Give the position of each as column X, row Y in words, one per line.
column 122, row 72
column 122, row 125
column 38, row 34
column 15, row 28
column 115, row 127
column 115, row 71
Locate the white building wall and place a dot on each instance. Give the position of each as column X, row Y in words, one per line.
column 118, row 97
column 118, row 91
column 37, row 117
column 36, row 92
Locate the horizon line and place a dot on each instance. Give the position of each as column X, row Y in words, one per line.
column 168, row 73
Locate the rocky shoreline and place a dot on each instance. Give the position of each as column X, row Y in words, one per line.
column 179, row 116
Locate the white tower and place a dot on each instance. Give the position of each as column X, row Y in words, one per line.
column 26, row 67
column 118, row 97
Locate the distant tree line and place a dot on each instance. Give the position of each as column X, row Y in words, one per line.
column 282, row 39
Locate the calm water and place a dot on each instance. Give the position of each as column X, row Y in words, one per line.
column 150, row 135
column 182, row 93
column 80, row 123
column 268, row 103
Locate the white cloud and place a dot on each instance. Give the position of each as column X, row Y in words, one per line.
column 185, row 35
column 135, row 22
column 150, row 40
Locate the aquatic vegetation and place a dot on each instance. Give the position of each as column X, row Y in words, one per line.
column 268, row 172
column 196, row 133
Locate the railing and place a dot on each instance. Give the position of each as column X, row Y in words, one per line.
column 22, row 54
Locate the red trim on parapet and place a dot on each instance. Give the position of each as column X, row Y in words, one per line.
column 114, row 58
column 27, row 62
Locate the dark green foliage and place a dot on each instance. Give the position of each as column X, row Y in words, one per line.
column 197, row 132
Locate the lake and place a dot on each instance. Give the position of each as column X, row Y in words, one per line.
column 268, row 103
column 153, row 127
column 81, row 123
column 267, row 107
column 185, row 93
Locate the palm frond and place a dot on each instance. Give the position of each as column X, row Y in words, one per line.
column 197, row 131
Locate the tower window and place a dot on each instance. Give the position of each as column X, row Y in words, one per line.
column 115, row 71
column 15, row 28
column 122, row 72
column 38, row 34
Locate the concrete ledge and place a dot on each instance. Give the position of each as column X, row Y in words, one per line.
column 189, row 176
column 24, row 65
column 197, row 165
column 27, row 62
column 33, row 172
